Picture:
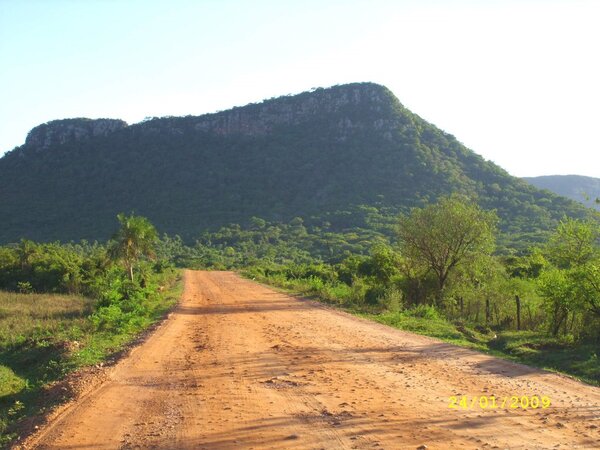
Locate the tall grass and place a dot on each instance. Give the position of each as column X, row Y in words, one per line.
column 34, row 317
column 37, row 333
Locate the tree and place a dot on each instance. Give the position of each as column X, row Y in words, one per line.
column 558, row 290
column 25, row 251
column 573, row 248
column 572, row 284
column 135, row 239
column 479, row 286
column 382, row 265
column 573, row 244
column 587, row 282
column 442, row 236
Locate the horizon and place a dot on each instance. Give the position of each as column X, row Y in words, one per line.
column 512, row 81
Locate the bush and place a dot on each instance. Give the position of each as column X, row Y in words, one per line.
column 24, row 287
column 108, row 318
column 374, row 294
column 357, row 292
column 424, row 312
column 315, row 284
column 311, row 271
column 337, row 293
column 392, row 301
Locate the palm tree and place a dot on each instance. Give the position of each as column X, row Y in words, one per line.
column 135, row 239
column 25, row 251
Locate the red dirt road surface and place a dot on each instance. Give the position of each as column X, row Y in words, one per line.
column 238, row 365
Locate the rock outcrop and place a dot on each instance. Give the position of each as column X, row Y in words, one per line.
column 59, row 132
column 262, row 118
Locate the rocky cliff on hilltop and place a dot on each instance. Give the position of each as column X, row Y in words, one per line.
column 260, row 119
column 59, row 132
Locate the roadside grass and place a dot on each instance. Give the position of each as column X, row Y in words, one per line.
column 434, row 327
column 556, row 354
column 36, row 332
column 534, row 348
column 26, row 317
column 43, row 337
column 102, row 344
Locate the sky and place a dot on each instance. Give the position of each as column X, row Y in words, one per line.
column 516, row 81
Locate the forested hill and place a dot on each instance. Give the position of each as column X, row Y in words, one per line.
column 318, row 155
column 579, row 188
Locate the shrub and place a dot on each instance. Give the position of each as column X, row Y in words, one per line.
column 25, row 287
column 108, row 318
column 339, row 292
column 425, row 312
column 374, row 294
column 392, row 301
column 357, row 292
column 315, row 284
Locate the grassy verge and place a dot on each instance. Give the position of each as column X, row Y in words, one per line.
column 534, row 348
column 43, row 337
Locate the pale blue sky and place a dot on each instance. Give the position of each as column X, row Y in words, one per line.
column 516, row 81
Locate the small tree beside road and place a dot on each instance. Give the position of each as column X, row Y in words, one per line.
column 440, row 237
column 135, row 239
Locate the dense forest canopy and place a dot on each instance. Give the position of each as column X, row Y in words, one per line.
column 343, row 159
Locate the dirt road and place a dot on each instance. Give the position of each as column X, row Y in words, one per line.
column 239, row 365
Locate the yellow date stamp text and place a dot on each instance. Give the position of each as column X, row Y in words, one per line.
column 493, row 402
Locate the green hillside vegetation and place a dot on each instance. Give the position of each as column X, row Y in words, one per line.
column 576, row 187
column 334, row 157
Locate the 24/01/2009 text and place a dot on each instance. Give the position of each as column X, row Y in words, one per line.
column 492, row 402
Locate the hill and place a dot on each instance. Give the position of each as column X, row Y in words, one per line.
column 336, row 157
column 576, row 187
